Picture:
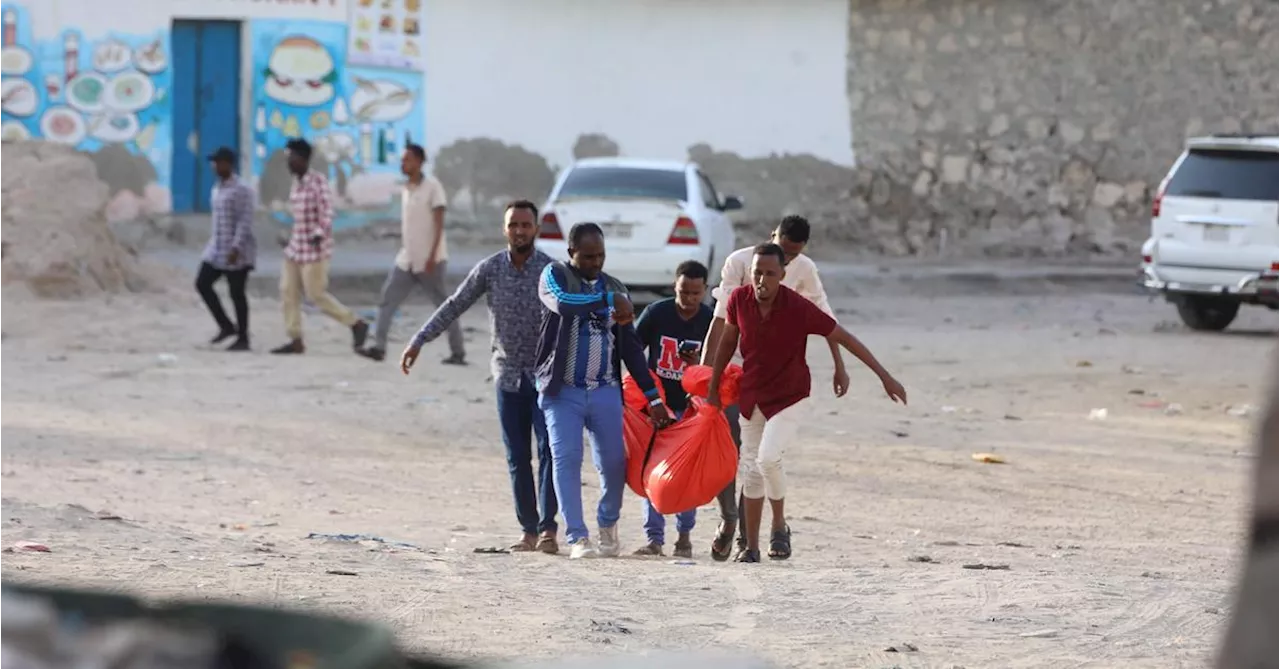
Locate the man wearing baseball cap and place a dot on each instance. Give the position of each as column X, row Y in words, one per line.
column 231, row 250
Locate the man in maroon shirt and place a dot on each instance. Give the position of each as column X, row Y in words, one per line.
column 773, row 323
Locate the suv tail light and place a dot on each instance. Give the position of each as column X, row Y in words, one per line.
column 684, row 232
column 1275, row 267
column 550, row 228
column 1155, row 203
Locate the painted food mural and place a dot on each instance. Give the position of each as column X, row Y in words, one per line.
column 357, row 119
column 105, row 96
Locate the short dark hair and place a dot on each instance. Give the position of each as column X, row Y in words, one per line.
column 299, row 146
column 581, row 230
column 770, row 249
column 521, row 204
column 692, row 269
column 794, row 228
column 417, row 151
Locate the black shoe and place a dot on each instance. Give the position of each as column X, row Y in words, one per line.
column 359, row 333
column 239, row 345
column 222, row 336
column 748, row 556
column 372, row 353
column 458, row 360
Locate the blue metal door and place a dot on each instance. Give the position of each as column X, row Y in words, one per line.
column 185, row 46
column 206, row 105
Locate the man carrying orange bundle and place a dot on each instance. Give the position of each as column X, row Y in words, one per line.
column 672, row 331
column 772, row 323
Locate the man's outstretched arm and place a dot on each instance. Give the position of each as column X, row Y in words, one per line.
column 844, row 338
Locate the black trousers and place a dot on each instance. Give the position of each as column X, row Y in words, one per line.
column 236, row 280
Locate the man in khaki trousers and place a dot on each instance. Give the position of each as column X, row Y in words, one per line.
column 306, row 256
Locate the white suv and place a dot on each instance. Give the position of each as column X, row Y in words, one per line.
column 1215, row 230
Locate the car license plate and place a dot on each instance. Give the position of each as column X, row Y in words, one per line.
column 1217, row 233
column 617, row 230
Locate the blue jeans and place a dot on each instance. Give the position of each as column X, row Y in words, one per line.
column 522, row 421
column 598, row 411
column 655, row 524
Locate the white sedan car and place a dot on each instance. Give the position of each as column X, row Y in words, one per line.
column 655, row 215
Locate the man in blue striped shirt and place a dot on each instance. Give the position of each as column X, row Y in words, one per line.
column 587, row 334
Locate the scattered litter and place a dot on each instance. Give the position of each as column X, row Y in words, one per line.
column 683, row 563
column 459, row 528
column 1137, row 391
column 166, row 359
column 1010, row 416
column 1106, row 331
column 903, row 647
column 1152, row 404
column 946, row 542
column 949, row 409
column 899, row 434
column 1083, row 363
column 926, row 559
column 1173, row 409
column 1213, row 610
column 491, row 550
column 1130, row 369
column 30, row 547
column 990, row 567
column 1241, row 411
column 247, row 564
column 357, row 538
column 1098, row 414
column 946, row 379
column 988, row 458
column 106, row 515
column 240, row 526
column 340, row 572
column 1012, row 544
column 609, row 627
column 1040, row 634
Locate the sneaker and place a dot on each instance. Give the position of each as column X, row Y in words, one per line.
column 239, row 345
column 294, row 347
column 609, row 546
column 222, row 336
column 581, row 548
column 650, row 549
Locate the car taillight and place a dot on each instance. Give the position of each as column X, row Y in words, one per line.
column 1146, row 260
column 1275, row 267
column 1155, row 203
column 550, row 228
column 684, row 232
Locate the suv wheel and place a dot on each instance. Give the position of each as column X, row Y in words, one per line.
column 1207, row 314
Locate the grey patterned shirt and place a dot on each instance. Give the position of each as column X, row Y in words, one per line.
column 515, row 314
column 232, row 204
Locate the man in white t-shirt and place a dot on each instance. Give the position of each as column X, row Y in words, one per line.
column 792, row 234
column 423, row 254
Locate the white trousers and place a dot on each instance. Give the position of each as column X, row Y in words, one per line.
column 763, row 444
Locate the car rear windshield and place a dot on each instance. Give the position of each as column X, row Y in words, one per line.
column 625, row 182
column 1235, row 175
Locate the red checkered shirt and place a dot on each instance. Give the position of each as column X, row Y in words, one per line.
column 311, row 202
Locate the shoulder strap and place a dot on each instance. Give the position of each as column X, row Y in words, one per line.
column 572, row 284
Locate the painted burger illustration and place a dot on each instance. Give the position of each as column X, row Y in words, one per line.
column 300, row 72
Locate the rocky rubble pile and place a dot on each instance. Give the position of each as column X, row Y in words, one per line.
column 56, row 239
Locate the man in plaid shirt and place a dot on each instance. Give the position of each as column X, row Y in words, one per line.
column 307, row 254
column 231, row 250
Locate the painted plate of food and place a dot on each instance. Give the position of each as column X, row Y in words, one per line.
column 62, row 125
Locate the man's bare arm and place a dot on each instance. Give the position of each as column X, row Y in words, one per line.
column 711, row 345
column 842, row 337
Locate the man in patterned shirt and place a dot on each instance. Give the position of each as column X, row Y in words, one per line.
column 587, row 333
column 306, row 256
column 509, row 281
column 231, row 250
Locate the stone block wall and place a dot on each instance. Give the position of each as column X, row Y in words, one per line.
column 1039, row 127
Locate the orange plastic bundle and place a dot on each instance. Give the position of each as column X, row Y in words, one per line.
column 697, row 381
column 691, row 461
column 637, row 430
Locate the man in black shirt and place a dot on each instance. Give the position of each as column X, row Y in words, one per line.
column 672, row 331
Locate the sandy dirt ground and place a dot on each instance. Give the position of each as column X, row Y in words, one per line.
column 1121, row 536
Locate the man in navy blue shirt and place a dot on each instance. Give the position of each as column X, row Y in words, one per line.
column 672, row 331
